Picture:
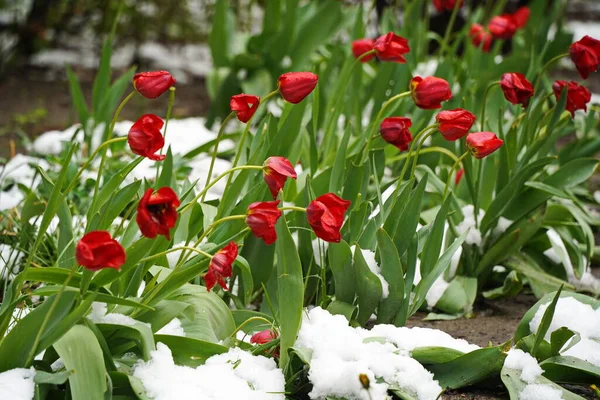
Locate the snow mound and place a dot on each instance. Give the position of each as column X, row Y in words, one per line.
column 468, row 223
column 234, row 375
column 578, row 317
column 530, row 371
column 99, row 315
column 173, row 328
column 17, row 384
column 341, row 353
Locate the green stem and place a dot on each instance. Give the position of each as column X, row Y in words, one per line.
column 432, row 149
column 410, row 150
column 169, row 109
column 454, row 166
column 373, row 132
column 246, row 322
column 214, row 182
column 416, row 157
column 216, row 150
column 240, row 149
column 293, row 208
column 42, row 328
column 545, row 67
column 90, row 159
column 478, row 192
column 485, row 96
column 450, row 26
column 215, row 223
column 108, row 138
column 193, row 249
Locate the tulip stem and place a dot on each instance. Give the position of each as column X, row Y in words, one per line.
column 215, row 223
column 293, row 208
column 485, row 96
column 433, row 149
column 545, row 67
column 240, row 149
column 444, row 45
column 410, row 150
column 246, row 322
column 168, row 117
column 416, row 156
column 193, row 249
column 108, row 138
column 214, row 182
column 90, row 159
column 380, row 115
column 216, row 150
column 42, row 328
column 454, row 167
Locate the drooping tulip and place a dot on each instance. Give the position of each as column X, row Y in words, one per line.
column 577, row 96
column 482, row 144
column 391, row 47
column 480, row 37
column 585, row 54
column 455, row 124
column 394, row 130
column 502, row 26
column 516, row 88
column 276, row 170
column 362, row 46
column 153, row 84
column 157, row 212
column 325, row 216
column 97, row 250
column 244, row 105
column 221, row 266
column 428, row 93
column 144, row 137
column 261, row 218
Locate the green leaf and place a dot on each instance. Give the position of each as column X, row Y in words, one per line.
column 512, row 380
column 435, row 355
column 190, row 352
column 139, row 333
column 77, row 96
column 166, row 174
column 342, row 268
column 391, row 269
column 290, row 289
column 81, row 353
column 58, row 378
column 104, row 218
column 559, row 338
column 545, row 323
column 339, row 166
column 164, row 312
column 368, row 287
column 409, row 219
column 337, row 307
column 570, row 370
column 222, row 34
column 433, row 244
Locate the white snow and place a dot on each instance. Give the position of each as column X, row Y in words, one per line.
column 234, row 375
column 173, row 328
column 597, row 196
column 341, row 353
column 17, row 384
column 10, row 259
column 540, row 392
column 436, row 291
column 530, row 372
column 578, row 317
column 99, row 315
column 369, row 257
column 52, row 142
column 19, row 169
column 468, row 223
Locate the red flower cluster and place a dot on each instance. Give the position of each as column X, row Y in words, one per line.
column 394, row 130
column 428, row 93
column 325, row 215
column 446, row 5
column 480, row 37
column 585, row 53
column 220, row 266
column 97, row 250
column 388, row 47
column 516, row 88
column 481, row 144
column 144, row 137
column 153, row 84
column 157, row 212
column 577, row 96
column 500, row 27
column 454, row 124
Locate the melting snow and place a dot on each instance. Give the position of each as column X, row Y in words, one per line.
column 530, row 371
column 99, row 315
column 17, row 384
column 468, row 223
column 173, row 328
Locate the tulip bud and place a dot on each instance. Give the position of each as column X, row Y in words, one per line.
column 261, row 218
column 394, row 130
column 446, row 5
column 459, row 175
column 521, row 16
column 428, row 93
column 295, row 86
column 153, row 84
column 391, row 47
column 220, row 266
column 454, row 124
column 97, row 250
column 480, row 35
column 157, row 212
column 481, row 144
column 516, row 88
column 577, row 96
column 502, row 26
column 362, row 46
column 245, row 105
column 145, row 139
column 276, row 171
column 325, row 216
column 263, row 337
column 585, row 53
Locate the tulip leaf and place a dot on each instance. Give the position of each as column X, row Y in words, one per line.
column 368, row 287
column 391, row 269
column 570, row 369
column 190, row 352
column 342, row 268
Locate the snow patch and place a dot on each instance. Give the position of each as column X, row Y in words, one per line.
column 173, row 328
column 468, row 223
column 369, row 257
column 17, row 384
column 99, row 315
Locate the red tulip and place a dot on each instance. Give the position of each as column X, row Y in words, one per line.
column 502, row 26
column 459, row 175
column 295, row 86
column 516, row 88
column 521, row 16
column 244, row 105
column 454, row 124
column 157, row 212
column 446, row 5
column 428, row 93
column 325, row 215
column 276, row 171
column 97, row 250
column 144, row 137
column 577, row 96
column 261, row 218
column 263, row 337
column 391, row 47
column 220, row 266
column 153, row 84
column 481, row 144
column 394, row 130
column 361, row 46
column 480, row 35
column 586, row 55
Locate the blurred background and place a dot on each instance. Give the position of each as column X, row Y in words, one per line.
column 38, row 37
